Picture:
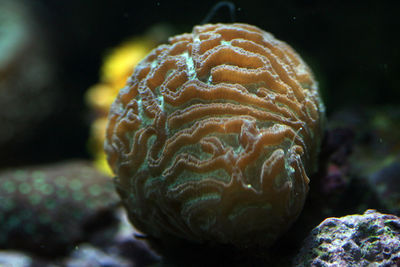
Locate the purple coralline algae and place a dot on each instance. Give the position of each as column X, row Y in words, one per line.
column 371, row 239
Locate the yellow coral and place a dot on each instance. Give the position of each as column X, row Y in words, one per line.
column 119, row 64
column 117, row 67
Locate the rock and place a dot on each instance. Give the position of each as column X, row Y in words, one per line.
column 88, row 256
column 129, row 243
column 355, row 240
column 14, row 259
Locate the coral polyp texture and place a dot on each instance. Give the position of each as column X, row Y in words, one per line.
column 48, row 209
column 213, row 137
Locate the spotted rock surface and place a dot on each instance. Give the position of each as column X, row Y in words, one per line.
column 214, row 136
column 47, row 209
column 371, row 239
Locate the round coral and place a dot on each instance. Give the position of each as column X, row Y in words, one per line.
column 213, row 137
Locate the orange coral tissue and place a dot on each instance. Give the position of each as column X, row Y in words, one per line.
column 213, row 137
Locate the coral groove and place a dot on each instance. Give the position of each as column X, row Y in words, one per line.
column 213, row 137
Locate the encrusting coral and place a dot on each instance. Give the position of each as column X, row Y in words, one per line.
column 49, row 209
column 214, row 136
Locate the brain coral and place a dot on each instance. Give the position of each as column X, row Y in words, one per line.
column 213, row 137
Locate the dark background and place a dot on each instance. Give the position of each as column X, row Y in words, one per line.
column 352, row 46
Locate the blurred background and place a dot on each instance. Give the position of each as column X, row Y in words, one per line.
column 53, row 52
